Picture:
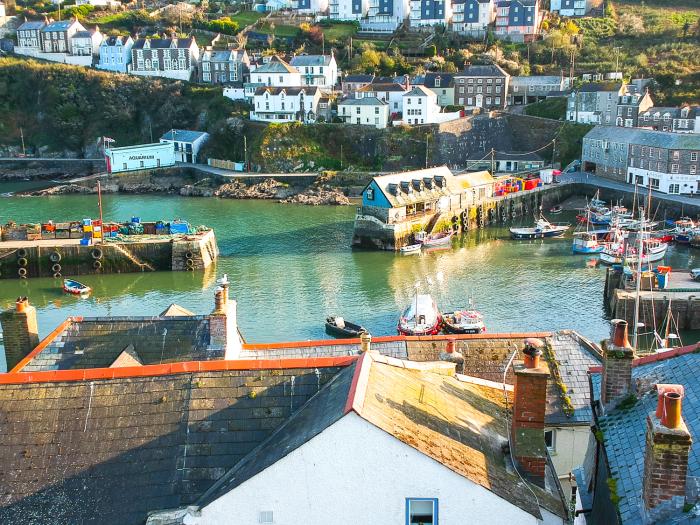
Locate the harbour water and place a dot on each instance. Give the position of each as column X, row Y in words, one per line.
column 291, row 266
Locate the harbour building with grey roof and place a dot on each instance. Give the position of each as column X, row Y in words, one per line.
column 668, row 162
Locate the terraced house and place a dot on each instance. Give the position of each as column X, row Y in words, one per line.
column 668, row 162
column 518, row 20
column 165, row 57
column 115, row 53
column 472, row 17
column 481, row 86
column 223, row 66
column 430, row 12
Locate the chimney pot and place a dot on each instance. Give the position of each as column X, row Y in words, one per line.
column 365, row 341
column 672, row 410
column 618, row 333
column 532, row 352
column 21, row 304
column 662, row 389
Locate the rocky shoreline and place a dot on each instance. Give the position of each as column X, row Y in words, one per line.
column 268, row 189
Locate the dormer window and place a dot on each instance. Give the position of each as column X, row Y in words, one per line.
column 417, row 184
column 441, row 181
column 428, row 181
column 437, row 82
column 406, row 187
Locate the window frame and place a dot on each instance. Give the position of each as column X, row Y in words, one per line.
column 435, row 509
column 552, row 448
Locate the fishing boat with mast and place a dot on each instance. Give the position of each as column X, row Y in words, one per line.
column 541, row 230
column 684, row 229
column 589, row 241
column 466, row 321
column 421, row 317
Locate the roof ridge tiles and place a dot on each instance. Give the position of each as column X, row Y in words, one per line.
column 182, row 367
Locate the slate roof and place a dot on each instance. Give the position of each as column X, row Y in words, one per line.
column 115, row 40
column 512, row 156
column 672, row 111
column 592, row 87
column 464, row 426
column 536, row 80
column 573, row 360
column 382, row 87
column 488, row 70
column 184, row 135
column 445, row 79
column 163, row 43
column 308, row 90
column 59, row 25
column 624, row 430
column 310, row 60
column 364, row 101
column 419, row 91
column 276, row 65
column 109, row 451
column 82, row 34
column 645, row 137
column 358, row 78
column 97, row 342
column 485, row 357
column 31, row 25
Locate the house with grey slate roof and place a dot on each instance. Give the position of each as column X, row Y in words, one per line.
column 643, row 468
column 482, row 86
column 176, row 58
column 224, row 66
column 685, row 119
column 668, row 162
column 317, row 70
column 366, row 111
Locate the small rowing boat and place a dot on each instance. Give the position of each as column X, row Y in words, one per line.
column 554, row 210
column 339, row 327
column 76, row 288
column 438, row 239
column 411, row 248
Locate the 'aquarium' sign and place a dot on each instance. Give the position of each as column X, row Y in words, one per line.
column 142, row 157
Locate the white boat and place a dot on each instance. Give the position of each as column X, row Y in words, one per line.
column 542, row 229
column 411, row 248
column 421, row 317
column 654, row 250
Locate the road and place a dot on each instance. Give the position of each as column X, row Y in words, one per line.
column 600, row 182
column 45, row 159
column 241, row 174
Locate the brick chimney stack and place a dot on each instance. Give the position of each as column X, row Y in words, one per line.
column 20, row 332
column 527, row 426
column 224, row 337
column 666, row 457
column 618, row 355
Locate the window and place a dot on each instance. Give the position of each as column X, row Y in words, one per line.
column 674, row 188
column 370, row 194
column 693, row 169
column 674, row 168
column 694, row 156
column 550, row 440
column 675, row 155
column 266, row 516
column 654, row 183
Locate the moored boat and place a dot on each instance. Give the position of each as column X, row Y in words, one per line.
column 554, row 210
column 438, row 239
column 76, row 288
column 468, row 321
column 339, row 327
column 542, row 228
column 421, row 317
column 587, row 242
column 411, row 248
column 683, row 230
column 653, row 250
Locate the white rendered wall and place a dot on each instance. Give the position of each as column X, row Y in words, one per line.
column 354, row 473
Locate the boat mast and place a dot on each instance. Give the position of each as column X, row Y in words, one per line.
column 99, row 204
column 640, row 254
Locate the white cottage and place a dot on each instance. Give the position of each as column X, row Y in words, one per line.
column 84, row 46
column 420, row 106
column 186, row 143
column 368, row 111
column 392, row 442
column 276, row 73
column 285, row 104
column 316, row 70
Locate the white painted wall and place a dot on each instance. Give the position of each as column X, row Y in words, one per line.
column 277, row 79
column 570, row 446
column 377, row 116
column 354, row 473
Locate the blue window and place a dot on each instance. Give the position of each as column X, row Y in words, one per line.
column 421, row 511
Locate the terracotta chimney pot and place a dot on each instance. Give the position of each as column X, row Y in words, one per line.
column 21, row 304
column 662, row 389
column 672, row 410
column 532, row 352
column 619, row 333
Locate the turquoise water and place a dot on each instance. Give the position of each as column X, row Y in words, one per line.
column 291, row 266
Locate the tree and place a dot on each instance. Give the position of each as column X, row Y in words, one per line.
column 368, row 61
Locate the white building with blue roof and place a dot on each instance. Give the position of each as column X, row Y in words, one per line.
column 472, row 17
column 186, row 144
column 430, row 12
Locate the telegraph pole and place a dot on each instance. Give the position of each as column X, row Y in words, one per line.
column 493, row 161
column 426, row 150
column 245, row 153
